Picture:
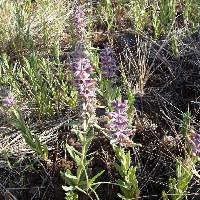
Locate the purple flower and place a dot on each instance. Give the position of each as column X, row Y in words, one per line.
column 81, row 68
column 119, row 126
column 88, row 89
column 8, row 101
column 108, row 63
column 194, row 140
column 82, row 71
column 121, row 138
column 85, row 84
column 79, row 22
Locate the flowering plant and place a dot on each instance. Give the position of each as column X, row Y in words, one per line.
column 119, row 124
column 85, row 84
column 108, row 63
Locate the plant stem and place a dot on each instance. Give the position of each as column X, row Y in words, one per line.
column 83, row 155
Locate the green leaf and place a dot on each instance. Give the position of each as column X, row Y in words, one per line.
column 183, row 184
column 67, row 188
column 131, row 97
column 186, row 123
column 38, row 145
column 117, row 152
column 128, row 160
column 72, row 123
column 122, row 184
column 119, row 169
column 164, row 195
column 132, row 177
column 71, row 195
column 81, row 190
column 46, row 152
column 81, row 137
column 69, row 179
column 179, row 168
column 30, row 142
column 93, row 179
column 74, row 154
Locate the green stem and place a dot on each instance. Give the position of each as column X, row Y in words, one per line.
column 83, row 156
column 83, row 153
column 85, row 120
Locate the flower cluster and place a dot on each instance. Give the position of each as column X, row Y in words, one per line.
column 8, row 101
column 108, row 63
column 79, row 22
column 86, row 86
column 194, row 140
column 82, row 71
column 119, row 126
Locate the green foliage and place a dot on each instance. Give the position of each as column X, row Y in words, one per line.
column 164, row 21
column 107, row 14
column 7, row 22
column 184, row 174
column 167, row 14
column 184, row 166
column 128, row 182
column 31, row 140
column 191, row 14
column 81, row 181
column 174, row 44
column 139, row 13
column 109, row 93
column 185, row 123
column 164, row 196
column 24, row 25
column 41, row 80
column 156, row 22
column 164, row 18
column 131, row 105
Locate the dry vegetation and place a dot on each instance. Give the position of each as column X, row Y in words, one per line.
column 156, row 45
